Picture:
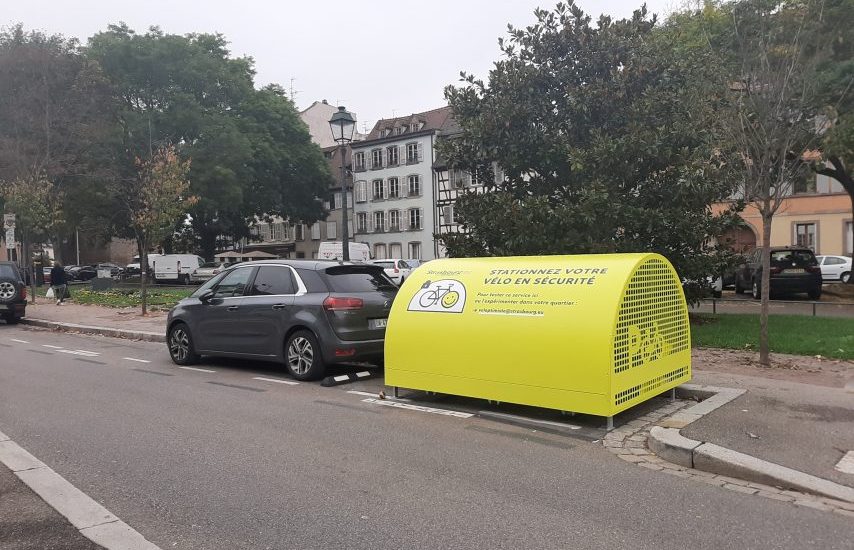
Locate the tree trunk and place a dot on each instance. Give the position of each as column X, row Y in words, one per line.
column 143, row 276
column 765, row 290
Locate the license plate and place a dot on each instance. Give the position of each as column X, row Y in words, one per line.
column 379, row 323
column 796, row 270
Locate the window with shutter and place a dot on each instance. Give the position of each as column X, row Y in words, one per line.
column 379, row 190
column 315, row 231
column 379, row 222
column 393, row 188
column 395, row 250
column 362, row 222
column 414, row 185
column 394, row 220
column 331, row 230
column 376, row 159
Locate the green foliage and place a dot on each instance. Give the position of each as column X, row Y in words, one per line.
column 795, row 334
column 157, row 298
column 252, row 156
column 607, row 136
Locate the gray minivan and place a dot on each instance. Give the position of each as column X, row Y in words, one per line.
column 306, row 314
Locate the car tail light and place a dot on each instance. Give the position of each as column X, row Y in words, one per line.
column 776, row 270
column 814, row 269
column 337, row 303
column 23, row 293
column 349, row 352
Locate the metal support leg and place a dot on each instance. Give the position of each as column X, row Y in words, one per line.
column 673, row 394
column 395, row 392
column 609, row 423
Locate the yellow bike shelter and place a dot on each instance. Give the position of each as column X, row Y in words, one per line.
column 593, row 334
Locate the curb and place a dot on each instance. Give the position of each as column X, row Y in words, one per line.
column 667, row 441
column 90, row 518
column 102, row 331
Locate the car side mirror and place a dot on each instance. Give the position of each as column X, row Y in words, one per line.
column 206, row 296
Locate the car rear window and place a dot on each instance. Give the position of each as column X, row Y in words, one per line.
column 792, row 258
column 347, row 278
column 8, row 272
column 384, row 265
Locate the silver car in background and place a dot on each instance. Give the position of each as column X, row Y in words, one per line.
column 206, row 271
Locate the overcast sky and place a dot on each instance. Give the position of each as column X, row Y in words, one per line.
column 376, row 57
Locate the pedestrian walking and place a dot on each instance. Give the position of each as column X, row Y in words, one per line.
column 58, row 282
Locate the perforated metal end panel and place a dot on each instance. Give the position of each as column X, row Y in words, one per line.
column 652, row 322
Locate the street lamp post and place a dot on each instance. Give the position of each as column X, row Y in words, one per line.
column 342, row 125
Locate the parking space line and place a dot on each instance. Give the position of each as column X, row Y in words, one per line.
column 19, row 341
column 276, row 380
column 136, row 360
column 365, row 393
column 196, row 369
column 78, row 352
column 846, row 463
column 417, row 408
column 51, row 347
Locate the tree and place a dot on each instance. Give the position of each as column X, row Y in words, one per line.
column 54, row 114
column 252, row 156
column 836, row 93
column 771, row 60
column 37, row 205
column 594, row 127
column 153, row 200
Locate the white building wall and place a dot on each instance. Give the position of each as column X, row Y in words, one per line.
column 425, row 201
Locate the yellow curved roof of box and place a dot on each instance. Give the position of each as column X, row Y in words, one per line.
column 594, row 333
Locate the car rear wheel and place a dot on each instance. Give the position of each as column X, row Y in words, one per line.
column 756, row 291
column 845, row 277
column 814, row 294
column 181, row 345
column 11, row 319
column 303, row 357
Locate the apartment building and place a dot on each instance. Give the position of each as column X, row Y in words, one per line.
column 816, row 215
column 394, row 185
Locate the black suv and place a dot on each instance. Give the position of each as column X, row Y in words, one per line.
column 304, row 313
column 793, row 270
column 13, row 293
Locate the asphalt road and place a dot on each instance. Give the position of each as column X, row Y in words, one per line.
column 221, row 459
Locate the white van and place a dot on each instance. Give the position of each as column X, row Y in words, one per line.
column 175, row 267
column 134, row 268
column 333, row 250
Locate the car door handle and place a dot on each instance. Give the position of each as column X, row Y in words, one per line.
column 280, row 306
column 231, row 308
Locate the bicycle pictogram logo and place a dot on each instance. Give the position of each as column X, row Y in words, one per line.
column 444, row 296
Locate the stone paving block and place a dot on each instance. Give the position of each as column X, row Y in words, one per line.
column 635, row 451
column 677, row 473
column 740, row 489
column 679, row 420
column 734, row 481
column 632, row 458
column 710, row 480
column 776, row 496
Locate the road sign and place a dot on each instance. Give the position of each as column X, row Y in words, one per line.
column 8, row 221
column 10, row 237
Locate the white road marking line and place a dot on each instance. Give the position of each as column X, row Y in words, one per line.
column 365, row 393
column 19, row 341
column 137, row 360
column 530, row 420
column 418, row 408
column 362, row 374
column 197, row 370
column 78, row 352
column 89, row 352
column 51, row 347
column 341, row 378
column 276, row 380
column 846, row 463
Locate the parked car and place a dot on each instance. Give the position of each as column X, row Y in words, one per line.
column 115, row 270
column 133, row 268
column 81, row 272
column 306, row 314
column 333, row 250
column 397, row 270
column 206, row 271
column 46, row 274
column 13, row 293
column 414, row 264
column 835, row 268
column 793, row 270
column 175, row 267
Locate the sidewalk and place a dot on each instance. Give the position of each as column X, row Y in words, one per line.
column 28, row 522
column 128, row 319
column 799, row 414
